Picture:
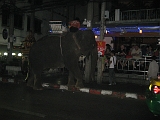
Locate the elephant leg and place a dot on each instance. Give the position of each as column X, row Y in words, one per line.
column 94, row 58
column 37, row 82
column 78, row 75
column 30, row 79
column 71, row 81
column 30, row 82
column 79, row 84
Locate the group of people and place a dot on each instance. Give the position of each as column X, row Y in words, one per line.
column 135, row 53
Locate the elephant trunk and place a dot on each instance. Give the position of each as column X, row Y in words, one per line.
column 94, row 58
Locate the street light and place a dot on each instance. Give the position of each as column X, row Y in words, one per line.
column 140, row 31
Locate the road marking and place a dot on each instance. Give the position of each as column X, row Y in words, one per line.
column 23, row 111
column 63, row 87
column 131, row 95
column 84, row 90
column 106, row 92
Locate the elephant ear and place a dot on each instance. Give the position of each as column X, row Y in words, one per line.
column 84, row 40
column 78, row 35
column 77, row 39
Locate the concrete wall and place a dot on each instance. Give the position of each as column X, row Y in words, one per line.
column 20, row 35
column 45, row 16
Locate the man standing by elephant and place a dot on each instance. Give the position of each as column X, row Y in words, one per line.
column 112, row 63
column 153, row 69
column 74, row 25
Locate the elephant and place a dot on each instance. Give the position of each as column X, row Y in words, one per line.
column 57, row 51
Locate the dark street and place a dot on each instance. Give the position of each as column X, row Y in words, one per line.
column 19, row 102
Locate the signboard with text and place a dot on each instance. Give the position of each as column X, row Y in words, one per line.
column 101, row 46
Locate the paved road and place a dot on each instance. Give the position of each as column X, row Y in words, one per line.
column 18, row 102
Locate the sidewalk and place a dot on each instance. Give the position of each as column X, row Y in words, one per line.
column 120, row 90
column 123, row 88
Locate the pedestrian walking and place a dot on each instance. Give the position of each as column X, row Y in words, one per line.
column 112, row 64
column 153, row 69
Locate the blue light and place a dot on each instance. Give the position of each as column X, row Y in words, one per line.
column 155, row 29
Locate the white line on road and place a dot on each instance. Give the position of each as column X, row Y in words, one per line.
column 23, row 111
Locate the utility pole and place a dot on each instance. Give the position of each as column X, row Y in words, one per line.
column 88, row 60
column 11, row 30
column 100, row 58
column 32, row 24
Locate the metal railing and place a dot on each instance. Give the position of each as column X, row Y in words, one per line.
column 133, row 65
column 143, row 14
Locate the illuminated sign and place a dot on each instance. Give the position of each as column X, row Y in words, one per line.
column 101, row 46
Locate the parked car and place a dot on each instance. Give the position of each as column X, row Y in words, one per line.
column 153, row 96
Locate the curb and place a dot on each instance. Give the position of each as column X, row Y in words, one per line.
column 10, row 80
column 86, row 90
column 96, row 92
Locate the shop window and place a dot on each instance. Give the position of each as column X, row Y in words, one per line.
column 36, row 2
column 5, row 17
column 18, row 19
column 37, row 25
